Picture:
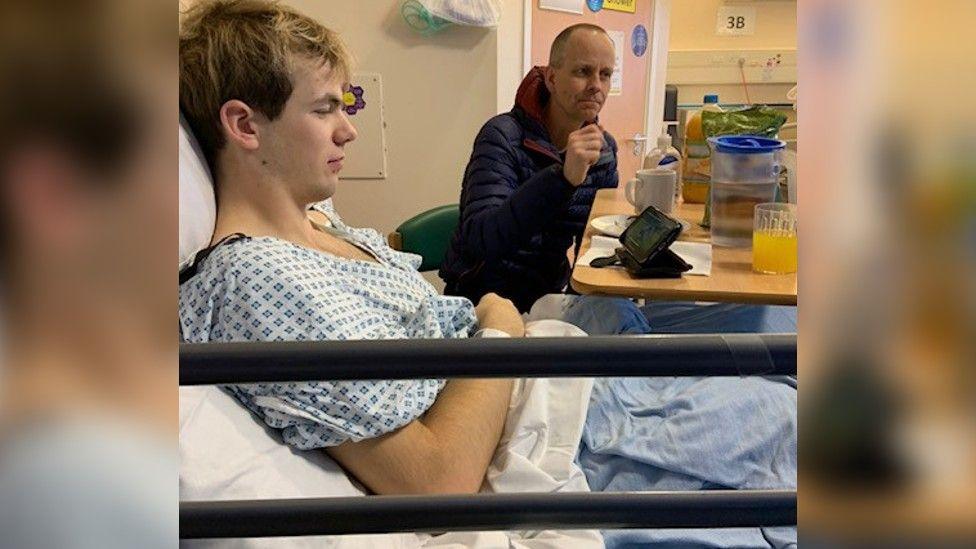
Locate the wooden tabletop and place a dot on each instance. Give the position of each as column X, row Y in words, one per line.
column 732, row 279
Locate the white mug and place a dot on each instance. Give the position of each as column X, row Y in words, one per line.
column 653, row 187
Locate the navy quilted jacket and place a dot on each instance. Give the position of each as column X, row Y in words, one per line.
column 519, row 216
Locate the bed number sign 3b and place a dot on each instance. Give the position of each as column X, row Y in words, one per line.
column 736, row 21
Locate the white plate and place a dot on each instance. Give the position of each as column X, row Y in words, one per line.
column 614, row 225
column 611, row 225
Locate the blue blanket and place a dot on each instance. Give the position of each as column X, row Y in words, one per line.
column 647, row 434
column 692, row 434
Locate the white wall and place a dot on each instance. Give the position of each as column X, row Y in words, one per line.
column 510, row 47
column 693, row 25
column 693, row 28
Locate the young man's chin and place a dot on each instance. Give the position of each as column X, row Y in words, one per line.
column 322, row 191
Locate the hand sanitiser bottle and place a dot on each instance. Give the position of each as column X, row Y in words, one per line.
column 666, row 156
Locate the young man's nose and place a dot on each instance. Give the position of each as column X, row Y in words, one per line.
column 346, row 131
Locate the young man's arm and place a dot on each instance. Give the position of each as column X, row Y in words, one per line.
column 448, row 449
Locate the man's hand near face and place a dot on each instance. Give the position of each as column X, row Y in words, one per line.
column 582, row 152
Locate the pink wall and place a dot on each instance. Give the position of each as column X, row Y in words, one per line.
column 622, row 115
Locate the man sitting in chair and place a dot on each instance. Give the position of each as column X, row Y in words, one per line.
column 261, row 86
column 527, row 194
column 533, row 174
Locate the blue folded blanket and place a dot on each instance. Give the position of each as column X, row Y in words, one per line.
column 648, row 434
column 692, row 434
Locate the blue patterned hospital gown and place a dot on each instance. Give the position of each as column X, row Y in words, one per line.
column 266, row 289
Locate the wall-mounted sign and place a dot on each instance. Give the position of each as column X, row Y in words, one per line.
column 568, row 6
column 629, row 6
column 617, row 80
column 736, row 21
column 363, row 102
column 638, row 40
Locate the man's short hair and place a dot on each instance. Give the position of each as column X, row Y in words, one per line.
column 245, row 50
column 557, row 53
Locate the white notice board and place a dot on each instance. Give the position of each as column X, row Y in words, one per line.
column 366, row 156
column 617, row 80
column 568, row 6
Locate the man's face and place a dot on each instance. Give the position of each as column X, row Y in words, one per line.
column 579, row 86
column 303, row 147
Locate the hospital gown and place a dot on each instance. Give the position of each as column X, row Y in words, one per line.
column 267, row 289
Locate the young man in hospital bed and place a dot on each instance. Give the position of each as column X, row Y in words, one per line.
column 261, row 87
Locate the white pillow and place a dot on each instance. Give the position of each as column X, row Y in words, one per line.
column 227, row 454
column 198, row 207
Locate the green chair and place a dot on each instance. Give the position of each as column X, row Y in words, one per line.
column 427, row 234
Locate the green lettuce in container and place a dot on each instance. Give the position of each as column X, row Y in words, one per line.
column 760, row 120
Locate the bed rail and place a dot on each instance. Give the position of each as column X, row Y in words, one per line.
column 620, row 356
column 531, row 511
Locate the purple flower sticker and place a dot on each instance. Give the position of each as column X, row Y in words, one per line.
column 353, row 100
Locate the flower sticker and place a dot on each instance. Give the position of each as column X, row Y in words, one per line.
column 353, row 100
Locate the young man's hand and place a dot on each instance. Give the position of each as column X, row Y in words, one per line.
column 496, row 312
column 582, row 151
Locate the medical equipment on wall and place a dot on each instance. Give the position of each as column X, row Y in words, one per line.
column 474, row 13
column 430, row 16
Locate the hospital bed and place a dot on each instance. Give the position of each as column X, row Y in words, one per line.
column 694, row 355
column 345, row 512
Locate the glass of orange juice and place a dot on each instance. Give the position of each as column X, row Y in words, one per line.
column 774, row 239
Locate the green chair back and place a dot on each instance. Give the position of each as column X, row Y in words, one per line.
column 428, row 235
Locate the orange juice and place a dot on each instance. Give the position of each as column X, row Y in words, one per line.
column 774, row 252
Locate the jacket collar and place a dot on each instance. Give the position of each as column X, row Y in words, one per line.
column 532, row 97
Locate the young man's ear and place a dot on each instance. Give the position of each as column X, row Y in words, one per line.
column 237, row 121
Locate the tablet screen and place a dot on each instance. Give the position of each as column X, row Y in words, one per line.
column 650, row 232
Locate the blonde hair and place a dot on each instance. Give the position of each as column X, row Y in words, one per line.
column 245, row 50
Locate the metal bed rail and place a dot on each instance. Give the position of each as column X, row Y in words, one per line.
column 530, row 511
column 620, row 356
